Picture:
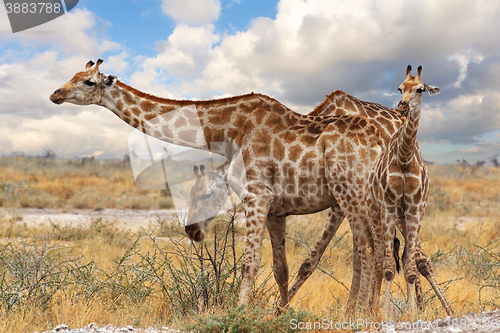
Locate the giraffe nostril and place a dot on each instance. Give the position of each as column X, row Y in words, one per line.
column 58, row 91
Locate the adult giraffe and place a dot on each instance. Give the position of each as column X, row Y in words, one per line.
column 333, row 155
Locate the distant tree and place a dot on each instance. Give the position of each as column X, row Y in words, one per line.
column 494, row 161
column 49, row 154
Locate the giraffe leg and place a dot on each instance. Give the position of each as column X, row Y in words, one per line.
column 410, row 226
column 379, row 248
column 424, row 266
column 355, row 283
column 277, row 232
column 256, row 210
column 418, row 284
column 335, row 218
column 364, row 247
column 388, row 218
column 418, row 293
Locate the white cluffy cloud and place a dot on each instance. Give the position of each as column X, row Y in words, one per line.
column 37, row 62
column 192, row 12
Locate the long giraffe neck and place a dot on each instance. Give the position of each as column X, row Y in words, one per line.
column 407, row 138
column 188, row 123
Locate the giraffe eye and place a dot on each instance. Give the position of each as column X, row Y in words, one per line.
column 400, row 91
column 206, row 196
column 420, row 90
column 89, row 83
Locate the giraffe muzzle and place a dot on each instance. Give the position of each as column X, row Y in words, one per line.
column 195, row 234
column 56, row 97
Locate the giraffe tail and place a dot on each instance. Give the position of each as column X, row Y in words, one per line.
column 397, row 244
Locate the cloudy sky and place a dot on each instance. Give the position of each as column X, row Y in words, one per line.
column 296, row 51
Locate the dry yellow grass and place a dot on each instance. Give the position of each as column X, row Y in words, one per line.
column 460, row 233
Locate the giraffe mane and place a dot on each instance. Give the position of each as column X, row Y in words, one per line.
column 160, row 100
column 325, row 102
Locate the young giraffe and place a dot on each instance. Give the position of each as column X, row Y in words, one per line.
column 286, row 155
column 399, row 188
column 388, row 121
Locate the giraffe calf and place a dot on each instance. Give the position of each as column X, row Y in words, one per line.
column 399, row 184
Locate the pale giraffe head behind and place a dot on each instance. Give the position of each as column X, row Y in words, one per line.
column 86, row 87
column 207, row 198
column 412, row 89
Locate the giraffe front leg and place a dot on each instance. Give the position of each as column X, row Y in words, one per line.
column 388, row 218
column 335, row 218
column 410, row 226
column 255, row 221
column 277, row 232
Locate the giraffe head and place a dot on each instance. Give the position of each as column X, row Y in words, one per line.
column 86, row 87
column 207, row 197
column 413, row 88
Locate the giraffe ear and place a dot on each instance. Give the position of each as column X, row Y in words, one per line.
column 432, row 90
column 110, row 81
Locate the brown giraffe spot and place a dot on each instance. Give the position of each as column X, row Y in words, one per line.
column 289, row 137
column 308, row 162
column 152, row 118
column 213, row 136
column 157, row 134
column 243, row 124
column 288, row 172
column 280, row 109
column 126, row 119
column 290, row 120
column 274, row 120
column 341, row 126
column 115, row 93
column 188, row 135
column 362, row 139
column 393, row 168
column 128, row 99
column 308, row 140
column 135, row 122
column 147, row 106
column 259, row 114
column 223, row 117
column 278, row 150
column 294, row 153
column 167, row 131
column 315, row 128
column 119, row 106
column 298, row 202
column 166, row 108
column 127, row 113
column 181, row 122
column 261, row 146
column 136, row 111
column 194, row 121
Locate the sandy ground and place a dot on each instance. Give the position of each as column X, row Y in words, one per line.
column 127, row 218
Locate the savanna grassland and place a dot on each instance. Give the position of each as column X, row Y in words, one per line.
column 99, row 272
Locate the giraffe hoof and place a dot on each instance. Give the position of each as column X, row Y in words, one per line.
column 411, row 278
column 389, row 276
